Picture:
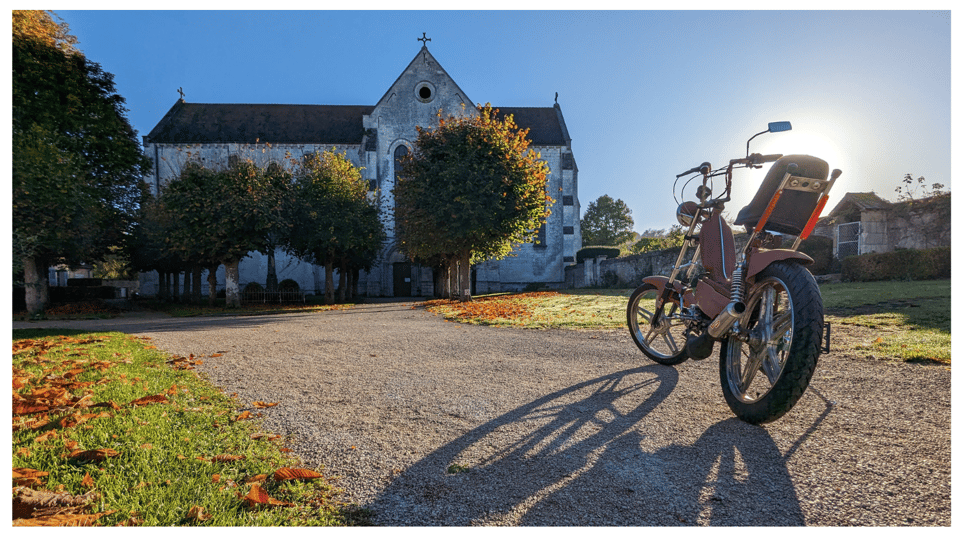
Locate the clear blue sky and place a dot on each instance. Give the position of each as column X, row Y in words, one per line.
column 645, row 94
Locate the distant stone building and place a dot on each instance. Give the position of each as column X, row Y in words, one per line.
column 373, row 137
column 865, row 223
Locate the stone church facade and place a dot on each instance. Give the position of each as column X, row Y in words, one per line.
column 373, row 137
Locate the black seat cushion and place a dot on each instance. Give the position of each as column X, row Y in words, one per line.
column 794, row 207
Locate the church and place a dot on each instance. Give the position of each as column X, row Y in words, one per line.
column 374, row 138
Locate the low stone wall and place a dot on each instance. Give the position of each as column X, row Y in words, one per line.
column 623, row 272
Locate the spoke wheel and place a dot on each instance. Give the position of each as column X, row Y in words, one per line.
column 767, row 366
column 660, row 334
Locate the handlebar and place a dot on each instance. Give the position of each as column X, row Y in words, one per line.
column 704, row 169
column 756, row 159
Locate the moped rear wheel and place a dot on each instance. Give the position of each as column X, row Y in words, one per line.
column 765, row 369
column 661, row 335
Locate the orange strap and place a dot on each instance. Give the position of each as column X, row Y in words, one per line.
column 812, row 222
column 769, row 210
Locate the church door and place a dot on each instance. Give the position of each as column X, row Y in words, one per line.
column 402, row 282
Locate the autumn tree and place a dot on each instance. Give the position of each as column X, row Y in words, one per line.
column 76, row 160
column 332, row 223
column 470, row 191
column 606, row 222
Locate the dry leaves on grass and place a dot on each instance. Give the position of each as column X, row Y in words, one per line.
column 285, row 473
column 258, row 496
column 46, row 508
column 511, row 306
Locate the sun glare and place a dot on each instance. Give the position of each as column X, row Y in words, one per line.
column 800, row 141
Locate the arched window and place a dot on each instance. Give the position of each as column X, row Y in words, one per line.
column 397, row 157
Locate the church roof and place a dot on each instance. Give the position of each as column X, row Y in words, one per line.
column 187, row 123
column 192, row 123
column 545, row 124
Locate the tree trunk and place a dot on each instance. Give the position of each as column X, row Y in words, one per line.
column 212, row 284
column 464, row 288
column 354, row 280
column 176, row 287
column 197, row 281
column 34, row 283
column 233, row 282
column 445, row 289
column 272, row 269
column 342, row 288
column 328, row 285
column 187, row 282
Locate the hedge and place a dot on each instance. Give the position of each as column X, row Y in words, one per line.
column 902, row 264
column 592, row 252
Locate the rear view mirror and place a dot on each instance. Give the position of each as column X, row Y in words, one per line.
column 776, row 127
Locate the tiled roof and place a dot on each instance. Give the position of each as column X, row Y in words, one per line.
column 863, row 201
column 191, row 123
column 237, row 123
column 543, row 122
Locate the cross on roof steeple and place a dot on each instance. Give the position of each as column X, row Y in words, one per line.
column 424, row 39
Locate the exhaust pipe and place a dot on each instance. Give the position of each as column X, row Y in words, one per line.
column 724, row 321
column 702, row 346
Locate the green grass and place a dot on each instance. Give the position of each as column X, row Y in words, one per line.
column 846, row 295
column 167, row 461
column 906, row 321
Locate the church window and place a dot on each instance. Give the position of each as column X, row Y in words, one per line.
column 397, row 157
column 425, row 92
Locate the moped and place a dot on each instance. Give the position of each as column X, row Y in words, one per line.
column 759, row 301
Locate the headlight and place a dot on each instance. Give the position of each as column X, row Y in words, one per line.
column 686, row 213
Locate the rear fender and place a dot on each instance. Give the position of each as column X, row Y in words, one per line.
column 766, row 257
column 660, row 282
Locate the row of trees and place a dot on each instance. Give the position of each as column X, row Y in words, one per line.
column 318, row 212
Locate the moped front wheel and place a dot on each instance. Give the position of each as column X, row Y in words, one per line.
column 660, row 334
column 766, row 367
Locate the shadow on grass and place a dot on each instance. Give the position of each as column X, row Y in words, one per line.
column 916, row 313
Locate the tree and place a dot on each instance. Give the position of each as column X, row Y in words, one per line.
column 76, row 160
column 224, row 215
column 40, row 26
column 470, row 191
column 659, row 239
column 332, row 222
column 606, row 222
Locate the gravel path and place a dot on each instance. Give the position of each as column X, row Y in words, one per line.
column 569, row 428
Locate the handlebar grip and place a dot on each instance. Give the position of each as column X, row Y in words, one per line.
column 704, row 168
column 770, row 157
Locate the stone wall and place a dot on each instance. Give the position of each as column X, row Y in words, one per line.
column 622, row 271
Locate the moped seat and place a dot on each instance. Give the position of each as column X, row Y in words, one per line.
column 794, row 207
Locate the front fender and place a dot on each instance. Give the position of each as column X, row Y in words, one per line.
column 660, row 282
column 765, row 257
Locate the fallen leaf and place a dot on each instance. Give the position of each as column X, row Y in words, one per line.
column 198, row 513
column 28, row 477
column 92, row 455
column 295, row 474
column 258, row 495
column 264, row 405
column 87, row 482
column 147, row 400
